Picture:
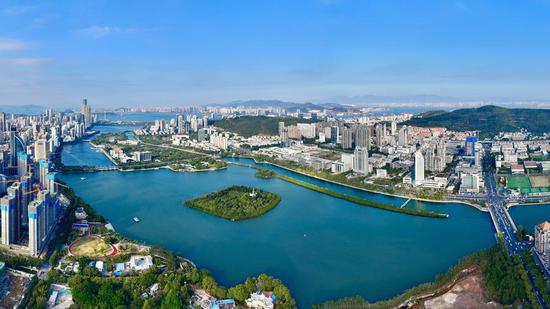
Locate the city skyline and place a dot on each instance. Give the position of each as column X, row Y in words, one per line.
column 181, row 54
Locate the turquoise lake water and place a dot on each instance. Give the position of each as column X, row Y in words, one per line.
column 323, row 248
column 530, row 215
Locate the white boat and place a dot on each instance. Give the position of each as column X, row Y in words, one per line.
column 136, row 219
column 82, row 178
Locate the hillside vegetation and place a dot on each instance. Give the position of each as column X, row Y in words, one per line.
column 257, row 125
column 489, row 120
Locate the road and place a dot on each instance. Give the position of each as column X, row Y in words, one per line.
column 497, row 206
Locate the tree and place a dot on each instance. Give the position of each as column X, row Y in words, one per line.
column 238, row 292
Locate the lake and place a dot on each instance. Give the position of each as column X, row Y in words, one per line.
column 321, row 247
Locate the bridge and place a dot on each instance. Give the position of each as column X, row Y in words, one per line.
column 87, row 168
column 504, row 224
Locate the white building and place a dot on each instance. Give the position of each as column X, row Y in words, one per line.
column 418, row 168
column 361, row 160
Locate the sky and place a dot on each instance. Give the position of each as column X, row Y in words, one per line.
column 178, row 53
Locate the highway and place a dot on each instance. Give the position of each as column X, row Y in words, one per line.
column 497, row 206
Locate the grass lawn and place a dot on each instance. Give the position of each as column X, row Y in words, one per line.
column 90, row 246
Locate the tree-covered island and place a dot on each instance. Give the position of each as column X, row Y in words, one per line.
column 236, row 203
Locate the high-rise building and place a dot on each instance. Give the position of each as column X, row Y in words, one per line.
column 181, row 124
column 542, row 240
column 361, row 160
column 87, row 114
column 13, row 147
column 36, row 211
column 2, row 122
column 22, row 164
column 393, row 128
column 403, row 138
column 362, row 137
column 334, row 132
column 418, row 168
column 8, row 206
column 40, row 150
column 379, row 135
column 470, row 145
column 15, row 191
column 347, row 138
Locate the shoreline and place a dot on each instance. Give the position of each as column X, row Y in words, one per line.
column 367, row 190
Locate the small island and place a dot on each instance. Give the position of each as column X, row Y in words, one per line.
column 236, row 203
column 265, row 173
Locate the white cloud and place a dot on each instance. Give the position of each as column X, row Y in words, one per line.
column 7, row 44
column 99, row 31
column 103, row 31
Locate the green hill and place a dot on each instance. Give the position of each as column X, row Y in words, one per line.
column 489, row 120
column 254, row 125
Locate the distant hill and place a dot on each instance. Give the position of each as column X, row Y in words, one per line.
column 289, row 106
column 254, row 125
column 489, row 120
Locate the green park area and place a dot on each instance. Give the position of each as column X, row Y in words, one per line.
column 236, row 203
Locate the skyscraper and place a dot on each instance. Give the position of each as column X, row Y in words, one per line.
column 418, row 168
column 13, row 147
column 393, row 128
column 87, row 114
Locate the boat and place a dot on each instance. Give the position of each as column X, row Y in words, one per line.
column 82, row 178
column 136, row 219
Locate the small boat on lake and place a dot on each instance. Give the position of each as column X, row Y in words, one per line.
column 82, row 178
column 136, row 219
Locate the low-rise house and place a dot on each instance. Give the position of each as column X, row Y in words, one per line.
column 140, row 262
column 261, row 300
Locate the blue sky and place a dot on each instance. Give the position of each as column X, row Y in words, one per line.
column 174, row 53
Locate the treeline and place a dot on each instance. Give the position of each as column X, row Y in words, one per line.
column 360, row 201
column 504, row 282
column 236, row 203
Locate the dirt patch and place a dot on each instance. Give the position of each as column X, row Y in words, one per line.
column 466, row 293
column 13, row 289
